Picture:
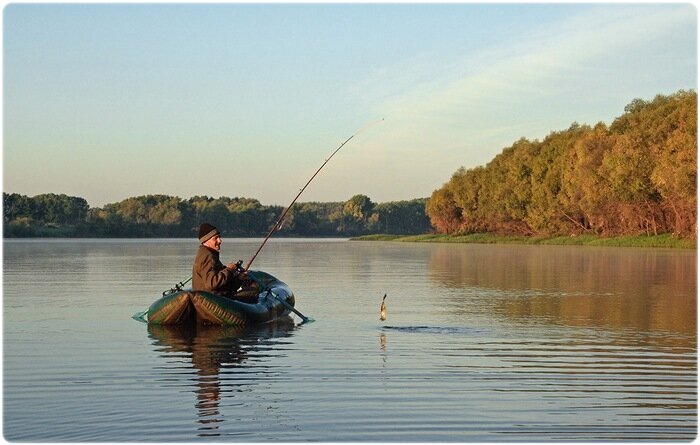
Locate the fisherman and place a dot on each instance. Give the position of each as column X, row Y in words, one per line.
column 208, row 272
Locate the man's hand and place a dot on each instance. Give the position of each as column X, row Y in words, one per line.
column 238, row 268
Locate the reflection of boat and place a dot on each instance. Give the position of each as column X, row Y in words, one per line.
column 212, row 350
column 211, row 340
column 274, row 299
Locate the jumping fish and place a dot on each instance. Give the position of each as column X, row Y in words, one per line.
column 382, row 309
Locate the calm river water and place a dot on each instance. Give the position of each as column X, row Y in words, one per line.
column 481, row 343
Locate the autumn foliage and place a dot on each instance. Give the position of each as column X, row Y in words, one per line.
column 636, row 176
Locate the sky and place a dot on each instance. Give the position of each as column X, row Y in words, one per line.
column 110, row 101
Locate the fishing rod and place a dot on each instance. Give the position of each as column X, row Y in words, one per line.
column 277, row 224
column 179, row 286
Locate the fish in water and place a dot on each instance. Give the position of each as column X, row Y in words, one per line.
column 382, row 309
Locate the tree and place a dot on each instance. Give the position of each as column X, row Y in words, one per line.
column 16, row 206
column 359, row 207
column 443, row 212
column 675, row 173
column 637, row 176
column 400, row 218
column 585, row 192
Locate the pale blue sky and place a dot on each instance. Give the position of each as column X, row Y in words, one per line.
column 111, row 101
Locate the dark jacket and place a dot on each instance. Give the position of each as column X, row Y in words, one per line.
column 209, row 274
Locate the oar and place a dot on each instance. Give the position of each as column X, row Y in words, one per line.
column 304, row 318
column 140, row 316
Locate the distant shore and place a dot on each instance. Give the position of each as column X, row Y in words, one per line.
column 664, row 240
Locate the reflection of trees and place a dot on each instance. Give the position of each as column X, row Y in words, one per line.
column 211, row 348
column 646, row 289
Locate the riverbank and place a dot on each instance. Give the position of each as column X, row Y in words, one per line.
column 665, row 240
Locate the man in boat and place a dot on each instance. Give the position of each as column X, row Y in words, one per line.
column 208, row 272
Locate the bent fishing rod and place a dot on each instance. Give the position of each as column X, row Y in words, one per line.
column 179, row 286
column 278, row 224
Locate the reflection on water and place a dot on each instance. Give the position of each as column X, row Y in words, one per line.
column 648, row 289
column 542, row 383
column 481, row 343
column 211, row 349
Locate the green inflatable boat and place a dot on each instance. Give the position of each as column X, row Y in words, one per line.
column 271, row 299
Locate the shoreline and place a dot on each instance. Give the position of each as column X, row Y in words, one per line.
column 656, row 241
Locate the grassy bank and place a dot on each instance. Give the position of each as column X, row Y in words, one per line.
column 665, row 240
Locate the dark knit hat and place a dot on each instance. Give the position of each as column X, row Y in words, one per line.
column 207, row 231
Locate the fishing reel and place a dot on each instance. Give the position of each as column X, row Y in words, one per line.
column 239, row 268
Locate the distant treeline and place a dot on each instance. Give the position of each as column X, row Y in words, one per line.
column 168, row 216
column 637, row 176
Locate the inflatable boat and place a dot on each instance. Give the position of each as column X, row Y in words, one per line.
column 269, row 300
